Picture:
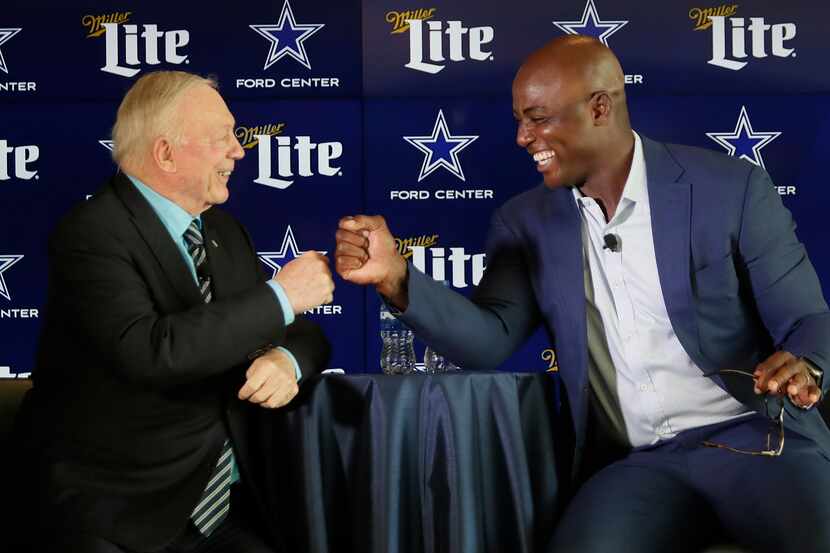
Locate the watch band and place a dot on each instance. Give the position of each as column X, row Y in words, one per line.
column 260, row 352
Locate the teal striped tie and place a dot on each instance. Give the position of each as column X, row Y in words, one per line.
column 216, row 499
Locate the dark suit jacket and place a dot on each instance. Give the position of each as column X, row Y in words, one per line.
column 736, row 281
column 136, row 378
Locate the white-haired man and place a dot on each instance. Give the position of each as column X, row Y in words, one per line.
column 161, row 335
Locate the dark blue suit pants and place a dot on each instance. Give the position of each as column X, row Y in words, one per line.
column 672, row 497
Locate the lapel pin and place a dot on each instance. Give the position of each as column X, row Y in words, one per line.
column 214, row 244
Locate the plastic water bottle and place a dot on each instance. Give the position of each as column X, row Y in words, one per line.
column 398, row 353
column 434, row 362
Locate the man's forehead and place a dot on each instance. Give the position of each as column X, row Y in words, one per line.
column 204, row 103
column 539, row 88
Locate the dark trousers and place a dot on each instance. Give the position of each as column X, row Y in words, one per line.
column 673, row 496
column 238, row 533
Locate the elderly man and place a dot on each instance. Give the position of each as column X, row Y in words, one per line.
column 689, row 324
column 161, row 335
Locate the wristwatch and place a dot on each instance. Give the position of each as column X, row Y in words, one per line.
column 814, row 371
column 265, row 349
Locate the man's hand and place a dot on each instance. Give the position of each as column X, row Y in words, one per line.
column 307, row 281
column 271, row 381
column 782, row 372
column 366, row 254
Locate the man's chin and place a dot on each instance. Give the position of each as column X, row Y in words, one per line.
column 220, row 196
column 553, row 182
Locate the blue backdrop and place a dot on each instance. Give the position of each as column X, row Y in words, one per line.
column 381, row 107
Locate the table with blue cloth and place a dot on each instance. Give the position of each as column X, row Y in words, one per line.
column 456, row 462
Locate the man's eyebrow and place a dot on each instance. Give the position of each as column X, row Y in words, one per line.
column 529, row 110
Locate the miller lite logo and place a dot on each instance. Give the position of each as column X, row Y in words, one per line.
column 400, row 20
column 248, row 136
column 404, row 245
column 457, row 266
column 701, row 15
column 732, row 36
column 16, row 162
column 130, row 46
column 549, row 355
column 95, row 23
column 288, row 157
column 432, row 41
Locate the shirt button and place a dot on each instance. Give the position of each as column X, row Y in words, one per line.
column 644, row 387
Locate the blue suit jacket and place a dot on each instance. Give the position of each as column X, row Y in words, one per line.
column 736, row 281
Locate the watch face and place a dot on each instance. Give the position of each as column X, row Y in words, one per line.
column 815, row 372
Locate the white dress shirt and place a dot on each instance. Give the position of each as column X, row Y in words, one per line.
column 659, row 389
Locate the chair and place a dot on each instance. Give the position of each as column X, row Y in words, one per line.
column 12, row 391
column 15, row 516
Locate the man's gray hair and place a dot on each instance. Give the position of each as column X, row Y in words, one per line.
column 148, row 111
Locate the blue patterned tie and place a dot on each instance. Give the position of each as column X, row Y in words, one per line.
column 216, row 499
column 196, row 248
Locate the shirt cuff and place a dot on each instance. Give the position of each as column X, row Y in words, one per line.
column 293, row 359
column 282, row 297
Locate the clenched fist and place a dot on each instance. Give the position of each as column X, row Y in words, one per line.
column 307, row 281
column 270, row 380
column 366, row 254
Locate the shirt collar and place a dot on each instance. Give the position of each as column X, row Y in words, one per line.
column 174, row 218
column 635, row 185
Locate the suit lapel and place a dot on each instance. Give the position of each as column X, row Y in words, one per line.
column 563, row 256
column 152, row 230
column 563, row 277
column 670, row 200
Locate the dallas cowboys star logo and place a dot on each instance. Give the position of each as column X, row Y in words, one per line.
column 591, row 25
column 6, row 261
column 106, row 144
column 287, row 37
column 289, row 248
column 441, row 149
column 743, row 142
column 5, row 36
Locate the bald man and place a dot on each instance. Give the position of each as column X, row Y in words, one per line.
column 689, row 324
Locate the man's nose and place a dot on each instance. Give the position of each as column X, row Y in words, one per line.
column 237, row 152
column 523, row 135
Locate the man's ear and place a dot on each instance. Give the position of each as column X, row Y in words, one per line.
column 601, row 105
column 163, row 154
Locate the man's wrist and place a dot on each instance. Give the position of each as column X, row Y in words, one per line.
column 282, row 298
column 393, row 288
column 294, row 363
column 259, row 352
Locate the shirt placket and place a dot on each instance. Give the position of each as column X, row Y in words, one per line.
column 629, row 344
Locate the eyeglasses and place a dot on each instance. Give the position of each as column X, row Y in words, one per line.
column 769, row 451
